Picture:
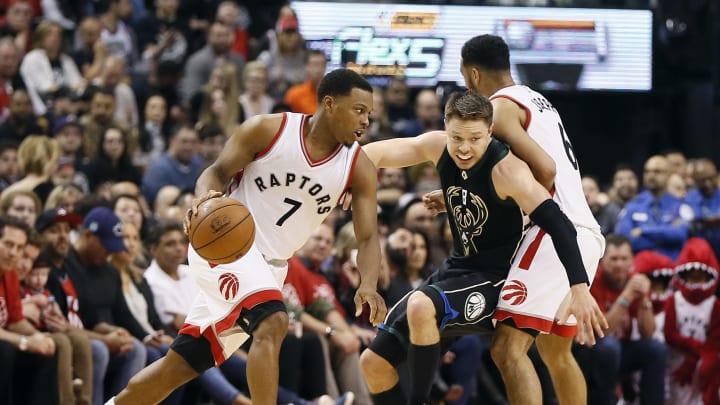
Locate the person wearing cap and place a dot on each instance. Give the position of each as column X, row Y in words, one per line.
column 285, row 59
column 74, row 355
column 200, row 64
column 29, row 364
column 87, row 290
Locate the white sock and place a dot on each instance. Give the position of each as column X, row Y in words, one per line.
column 111, row 401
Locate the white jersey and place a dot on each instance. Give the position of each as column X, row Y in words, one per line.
column 544, row 125
column 289, row 194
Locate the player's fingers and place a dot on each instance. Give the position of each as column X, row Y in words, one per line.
column 358, row 305
column 373, row 311
column 590, row 333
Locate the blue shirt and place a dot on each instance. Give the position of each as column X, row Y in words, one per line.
column 704, row 208
column 167, row 170
column 664, row 222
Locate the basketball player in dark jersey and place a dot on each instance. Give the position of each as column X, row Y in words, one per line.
column 485, row 187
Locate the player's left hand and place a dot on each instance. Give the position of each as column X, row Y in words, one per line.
column 369, row 295
column 590, row 319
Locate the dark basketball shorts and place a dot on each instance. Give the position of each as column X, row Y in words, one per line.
column 464, row 304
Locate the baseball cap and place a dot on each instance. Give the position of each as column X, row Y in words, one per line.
column 53, row 216
column 107, row 226
column 287, row 23
column 65, row 121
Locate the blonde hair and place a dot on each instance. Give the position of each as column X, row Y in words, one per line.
column 36, row 152
column 60, row 194
column 253, row 66
column 42, row 30
column 231, row 96
column 344, row 242
column 7, row 200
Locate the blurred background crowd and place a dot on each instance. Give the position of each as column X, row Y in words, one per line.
column 110, row 109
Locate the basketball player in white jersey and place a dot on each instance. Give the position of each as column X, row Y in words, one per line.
column 290, row 170
column 540, row 294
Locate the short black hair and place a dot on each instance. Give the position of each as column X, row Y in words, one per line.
column 487, row 51
column 12, row 222
column 158, row 230
column 210, row 130
column 617, row 239
column 341, row 82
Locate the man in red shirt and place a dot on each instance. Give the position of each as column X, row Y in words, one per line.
column 306, row 287
column 628, row 345
column 29, row 368
column 302, row 98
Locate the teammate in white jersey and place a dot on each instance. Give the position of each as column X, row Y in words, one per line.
column 290, row 170
column 541, row 292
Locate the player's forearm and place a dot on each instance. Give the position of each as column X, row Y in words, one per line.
column 369, row 260
column 210, row 179
column 564, row 236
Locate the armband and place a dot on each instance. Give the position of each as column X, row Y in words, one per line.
column 623, row 302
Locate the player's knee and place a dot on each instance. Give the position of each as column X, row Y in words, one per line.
column 374, row 367
column 509, row 345
column 420, row 309
column 273, row 328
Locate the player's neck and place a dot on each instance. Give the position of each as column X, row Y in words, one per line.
column 318, row 139
column 501, row 82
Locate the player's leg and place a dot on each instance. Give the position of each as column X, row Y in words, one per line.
column 567, row 378
column 509, row 352
column 268, row 323
column 424, row 352
column 157, row 381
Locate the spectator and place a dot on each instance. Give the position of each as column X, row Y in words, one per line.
column 255, row 99
column 163, row 35
column 65, row 197
column 112, row 162
column 21, row 204
column 218, row 101
column 212, row 142
column 128, row 208
column 302, row 97
column 164, row 80
column 285, row 59
column 676, row 161
column 655, row 219
column 90, row 55
column 624, row 297
column 705, row 202
column 8, row 164
column 9, row 80
column 112, row 77
column 218, row 50
column 46, row 69
column 95, row 299
column 18, row 24
column 29, row 366
column 306, row 287
column 118, row 37
column 380, row 125
column 230, row 14
column 153, row 132
column 71, row 345
column 180, row 165
column 692, row 327
column 101, row 117
column 397, row 100
column 603, row 210
column 428, row 115
column 676, row 186
column 624, row 186
column 21, row 121
column 37, row 159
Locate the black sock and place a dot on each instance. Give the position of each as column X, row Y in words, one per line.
column 423, row 362
column 393, row 396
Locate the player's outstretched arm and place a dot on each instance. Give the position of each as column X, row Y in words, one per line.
column 513, row 179
column 364, row 212
column 508, row 119
column 404, row 152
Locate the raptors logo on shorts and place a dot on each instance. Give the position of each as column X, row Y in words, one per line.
column 514, row 292
column 228, row 284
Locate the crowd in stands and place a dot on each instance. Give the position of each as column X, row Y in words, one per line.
column 109, row 111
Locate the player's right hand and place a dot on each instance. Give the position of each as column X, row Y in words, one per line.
column 590, row 319
column 194, row 206
column 434, row 202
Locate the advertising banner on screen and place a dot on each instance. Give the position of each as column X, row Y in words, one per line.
column 550, row 48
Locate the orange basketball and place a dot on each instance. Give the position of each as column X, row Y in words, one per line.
column 222, row 231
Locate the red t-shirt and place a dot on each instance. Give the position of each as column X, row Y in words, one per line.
column 606, row 296
column 10, row 302
column 309, row 286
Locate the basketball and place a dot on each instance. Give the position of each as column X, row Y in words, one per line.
column 222, row 231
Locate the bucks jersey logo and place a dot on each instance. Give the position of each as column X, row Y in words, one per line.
column 470, row 214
